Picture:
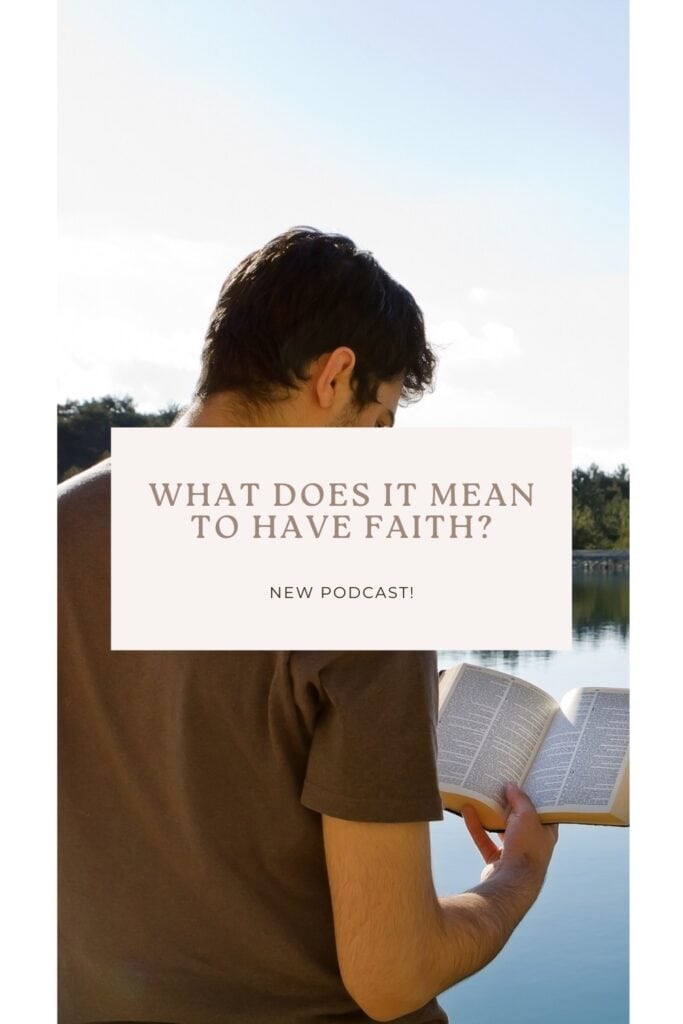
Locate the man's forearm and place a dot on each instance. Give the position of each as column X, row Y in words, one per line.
column 398, row 944
column 461, row 935
column 475, row 925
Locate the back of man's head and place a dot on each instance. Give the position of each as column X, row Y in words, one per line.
column 303, row 294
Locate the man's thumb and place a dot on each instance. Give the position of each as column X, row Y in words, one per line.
column 517, row 800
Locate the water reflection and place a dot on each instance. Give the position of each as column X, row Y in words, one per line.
column 600, row 616
column 600, row 605
column 579, row 926
column 511, row 661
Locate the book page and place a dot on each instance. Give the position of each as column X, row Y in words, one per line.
column 490, row 727
column 582, row 755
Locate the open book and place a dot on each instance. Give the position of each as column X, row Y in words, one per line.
column 571, row 758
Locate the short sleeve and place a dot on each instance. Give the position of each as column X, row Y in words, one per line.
column 373, row 750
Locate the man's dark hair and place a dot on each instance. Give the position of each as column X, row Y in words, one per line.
column 303, row 294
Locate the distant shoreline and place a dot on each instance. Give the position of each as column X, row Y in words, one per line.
column 615, row 560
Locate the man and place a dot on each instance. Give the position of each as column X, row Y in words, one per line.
column 244, row 836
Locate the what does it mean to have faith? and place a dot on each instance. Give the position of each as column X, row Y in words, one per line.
column 342, row 526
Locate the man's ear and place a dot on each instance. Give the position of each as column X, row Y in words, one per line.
column 332, row 378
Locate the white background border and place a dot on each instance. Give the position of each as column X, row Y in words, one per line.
column 28, row 202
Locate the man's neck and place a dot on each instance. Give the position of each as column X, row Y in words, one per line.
column 230, row 410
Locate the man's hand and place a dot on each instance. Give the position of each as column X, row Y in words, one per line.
column 527, row 844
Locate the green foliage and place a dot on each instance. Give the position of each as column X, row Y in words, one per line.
column 84, row 429
column 600, row 508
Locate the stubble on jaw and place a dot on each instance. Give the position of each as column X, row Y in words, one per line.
column 349, row 415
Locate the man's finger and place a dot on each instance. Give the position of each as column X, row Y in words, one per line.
column 482, row 840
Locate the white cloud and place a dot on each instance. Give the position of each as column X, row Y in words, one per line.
column 453, row 405
column 607, row 458
column 457, row 345
column 133, row 312
column 134, row 307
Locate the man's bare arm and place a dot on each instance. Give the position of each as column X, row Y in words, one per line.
column 399, row 945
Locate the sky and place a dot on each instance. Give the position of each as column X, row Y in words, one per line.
column 479, row 150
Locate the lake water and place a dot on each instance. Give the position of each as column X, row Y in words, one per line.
column 568, row 960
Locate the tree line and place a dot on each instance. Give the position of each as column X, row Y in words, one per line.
column 84, row 429
column 600, row 510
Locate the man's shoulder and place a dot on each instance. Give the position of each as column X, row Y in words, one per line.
column 85, row 497
column 90, row 481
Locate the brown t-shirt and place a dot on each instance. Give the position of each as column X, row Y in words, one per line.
column 193, row 886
